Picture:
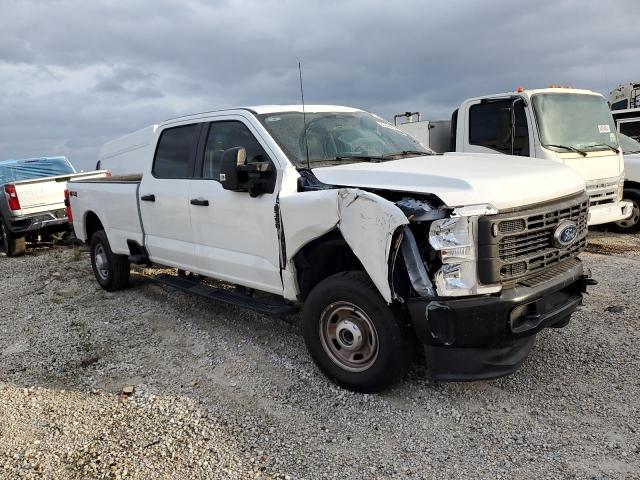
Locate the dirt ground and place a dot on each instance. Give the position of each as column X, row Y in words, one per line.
column 214, row 391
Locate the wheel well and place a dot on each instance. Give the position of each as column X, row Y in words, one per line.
column 92, row 224
column 631, row 184
column 321, row 258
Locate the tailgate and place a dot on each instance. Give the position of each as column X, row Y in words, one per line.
column 45, row 194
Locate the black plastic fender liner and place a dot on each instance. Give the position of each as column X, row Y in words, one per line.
column 418, row 274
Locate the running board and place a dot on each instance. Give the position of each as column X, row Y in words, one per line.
column 196, row 287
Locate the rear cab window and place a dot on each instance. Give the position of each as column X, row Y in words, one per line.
column 175, row 153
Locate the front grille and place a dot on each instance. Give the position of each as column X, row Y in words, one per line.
column 551, row 273
column 520, row 245
column 603, row 191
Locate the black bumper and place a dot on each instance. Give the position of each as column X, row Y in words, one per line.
column 54, row 221
column 490, row 336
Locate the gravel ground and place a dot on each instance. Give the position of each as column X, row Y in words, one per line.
column 220, row 392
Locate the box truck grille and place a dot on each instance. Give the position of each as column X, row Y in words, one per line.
column 519, row 245
column 603, row 191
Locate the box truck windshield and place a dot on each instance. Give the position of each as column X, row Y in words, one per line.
column 574, row 122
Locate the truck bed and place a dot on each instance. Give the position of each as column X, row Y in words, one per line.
column 121, row 220
column 40, row 195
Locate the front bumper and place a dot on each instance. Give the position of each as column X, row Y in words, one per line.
column 490, row 336
column 55, row 220
column 609, row 212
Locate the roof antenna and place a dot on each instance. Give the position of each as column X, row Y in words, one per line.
column 304, row 116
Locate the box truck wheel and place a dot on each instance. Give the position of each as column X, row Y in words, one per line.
column 355, row 338
column 14, row 246
column 631, row 224
column 112, row 271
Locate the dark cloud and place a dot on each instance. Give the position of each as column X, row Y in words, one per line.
column 75, row 74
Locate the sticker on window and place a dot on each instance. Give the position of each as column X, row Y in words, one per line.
column 272, row 119
column 604, row 128
column 612, row 137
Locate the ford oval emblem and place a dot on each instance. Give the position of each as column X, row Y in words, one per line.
column 565, row 234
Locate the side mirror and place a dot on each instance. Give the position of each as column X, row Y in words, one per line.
column 229, row 171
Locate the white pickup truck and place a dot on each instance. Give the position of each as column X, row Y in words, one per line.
column 338, row 212
column 567, row 125
column 34, row 203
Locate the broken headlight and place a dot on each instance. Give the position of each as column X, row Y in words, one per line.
column 454, row 239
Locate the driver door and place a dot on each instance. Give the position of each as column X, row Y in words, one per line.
column 234, row 235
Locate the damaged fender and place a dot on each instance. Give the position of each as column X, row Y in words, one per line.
column 366, row 220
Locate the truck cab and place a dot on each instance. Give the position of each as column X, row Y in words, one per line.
column 566, row 125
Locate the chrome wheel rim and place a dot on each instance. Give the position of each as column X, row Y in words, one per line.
column 102, row 264
column 633, row 219
column 348, row 336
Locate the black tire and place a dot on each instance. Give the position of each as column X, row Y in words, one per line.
column 111, row 271
column 632, row 224
column 14, row 246
column 390, row 337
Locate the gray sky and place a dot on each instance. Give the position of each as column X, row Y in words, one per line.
column 77, row 73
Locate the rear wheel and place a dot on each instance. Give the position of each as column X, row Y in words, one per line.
column 355, row 338
column 631, row 224
column 14, row 246
column 111, row 271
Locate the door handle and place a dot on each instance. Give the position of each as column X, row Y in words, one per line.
column 148, row 198
column 200, row 202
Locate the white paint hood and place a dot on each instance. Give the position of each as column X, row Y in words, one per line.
column 460, row 179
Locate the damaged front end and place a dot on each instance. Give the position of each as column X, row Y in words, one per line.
column 438, row 250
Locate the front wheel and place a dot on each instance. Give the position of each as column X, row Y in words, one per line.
column 631, row 224
column 355, row 338
column 14, row 246
column 111, row 271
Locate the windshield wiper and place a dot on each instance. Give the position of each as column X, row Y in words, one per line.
column 406, row 152
column 605, row 145
column 566, row 147
column 630, row 152
column 370, row 158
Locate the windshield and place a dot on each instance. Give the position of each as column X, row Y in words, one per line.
column 628, row 144
column 16, row 170
column 570, row 121
column 339, row 137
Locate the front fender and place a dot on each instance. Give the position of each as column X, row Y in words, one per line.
column 367, row 222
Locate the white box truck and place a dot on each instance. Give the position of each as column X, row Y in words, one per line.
column 336, row 212
column 570, row 126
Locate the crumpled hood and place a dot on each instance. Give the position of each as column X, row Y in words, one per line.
column 460, row 179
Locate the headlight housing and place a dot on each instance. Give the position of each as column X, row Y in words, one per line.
column 455, row 240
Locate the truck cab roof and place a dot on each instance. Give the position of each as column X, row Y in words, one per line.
column 528, row 93
column 264, row 109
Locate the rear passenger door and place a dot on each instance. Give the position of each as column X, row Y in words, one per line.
column 163, row 197
column 234, row 234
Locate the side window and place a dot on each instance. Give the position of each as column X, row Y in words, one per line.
column 176, row 152
column 490, row 126
column 225, row 135
column 631, row 129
